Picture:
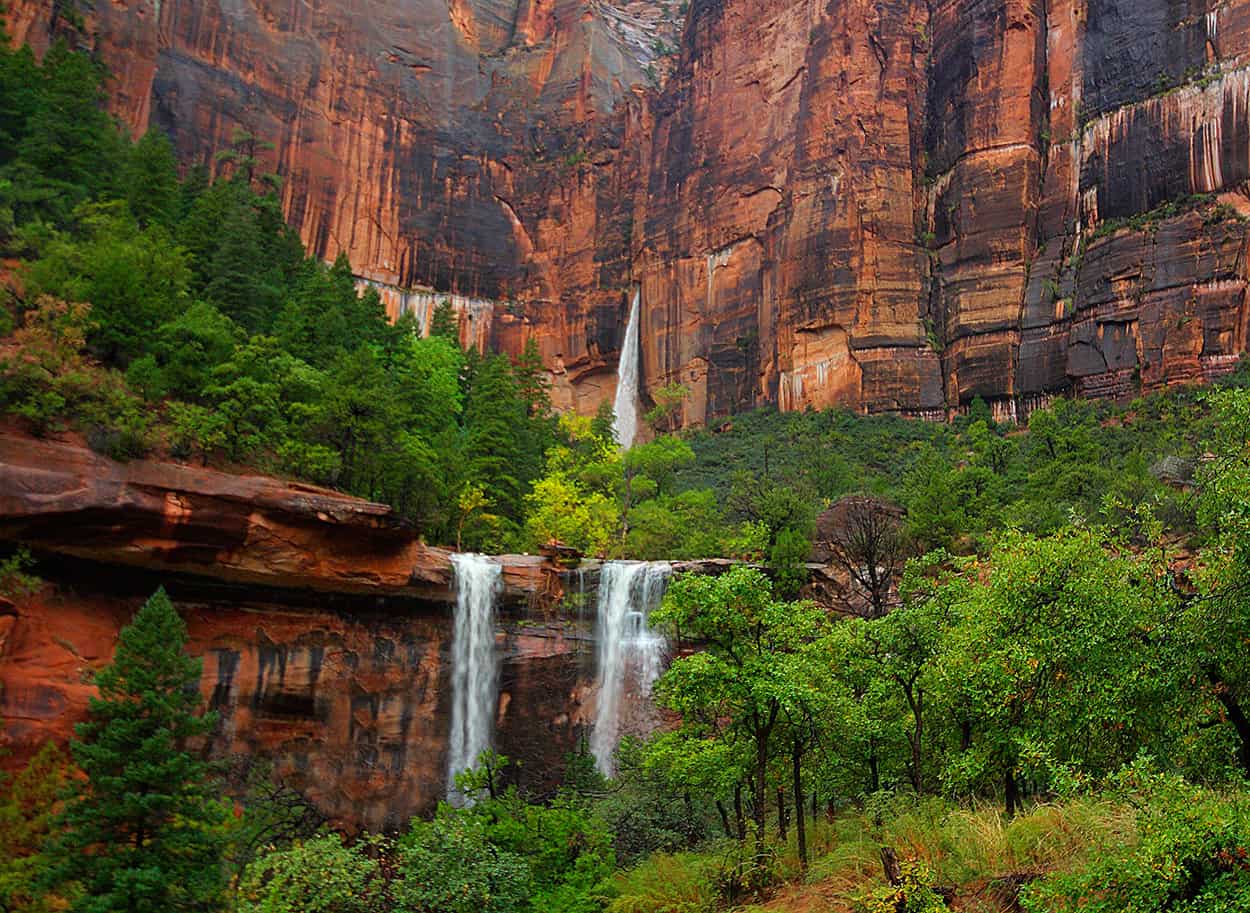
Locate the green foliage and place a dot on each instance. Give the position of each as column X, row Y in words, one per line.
column 666, row 883
column 16, row 579
column 753, row 670
column 787, row 560
column 445, row 323
column 28, row 806
column 1192, row 856
column 319, row 875
column 449, row 866
column 913, row 894
column 135, row 279
column 1049, row 667
column 144, row 831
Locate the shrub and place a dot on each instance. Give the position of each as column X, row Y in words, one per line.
column 1193, row 857
column 448, row 866
column 321, row 875
column 665, row 883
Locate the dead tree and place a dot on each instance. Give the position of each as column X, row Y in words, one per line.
column 867, row 539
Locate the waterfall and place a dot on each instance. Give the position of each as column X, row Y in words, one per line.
column 625, row 425
column 630, row 654
column 475, row 676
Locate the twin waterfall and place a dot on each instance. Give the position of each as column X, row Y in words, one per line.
column 629, row 656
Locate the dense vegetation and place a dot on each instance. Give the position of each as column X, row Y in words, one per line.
column 1026, row 683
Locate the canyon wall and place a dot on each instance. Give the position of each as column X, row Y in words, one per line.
column 348, row 701
column 894, row 205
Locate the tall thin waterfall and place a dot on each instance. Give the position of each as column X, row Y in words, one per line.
column 475, row 675
column 625, row 427
column 630, row 654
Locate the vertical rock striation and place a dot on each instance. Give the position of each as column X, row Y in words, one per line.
column 896, row 205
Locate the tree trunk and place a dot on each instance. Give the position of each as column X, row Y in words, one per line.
column 742, row 821
column 800, row 826
column 874, row 774
column 1011, row 792
column 761, row 795
column 889, row 862
column 782, row 821
column 724, row 819
column 1236, row 716
column 915, row 700
column 691, row 828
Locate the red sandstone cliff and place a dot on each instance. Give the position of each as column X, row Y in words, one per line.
column 891, row 204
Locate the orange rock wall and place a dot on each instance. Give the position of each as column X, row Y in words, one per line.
column 896, row 205
column 349, row 703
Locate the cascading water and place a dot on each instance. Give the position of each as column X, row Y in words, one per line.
column 475, row 675
column 625, row 425
column 630, row 654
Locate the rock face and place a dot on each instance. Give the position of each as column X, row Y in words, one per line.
column 235, row 529
column 349, row 701
column 896, row 205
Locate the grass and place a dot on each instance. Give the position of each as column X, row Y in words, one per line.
column 976, row 851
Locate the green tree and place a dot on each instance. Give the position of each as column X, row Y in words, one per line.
column 445, row 323
column 1215, row 620
column 448, row 866
column 533, row 385
column 151, row 180
column 1051, row 664
column 561, row 509
column 241, row 282
column 28, row 806
column 145, row 832
column 70, row 151
column 134, row 280
column 187, row 348
column 738, row 687
column 493, row 426
column 319, row 875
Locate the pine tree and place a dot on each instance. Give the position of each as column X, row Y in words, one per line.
column 445, row 322
column 71, row 146
column 531, row 380
column 143, row 833
column 494, row 422
column 242, row 281
column 151, row 180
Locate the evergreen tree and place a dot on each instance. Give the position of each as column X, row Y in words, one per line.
column 605, row 418
column 445, row 322
column 494, row 421
column 71, row 150
column 19, row 95
column 142, row 835
column 531, row 380
column 242, row 282
column 151, row 180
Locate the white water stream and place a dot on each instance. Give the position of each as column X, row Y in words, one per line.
column 475, row 673
column 630, row 654
column 625, row 425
